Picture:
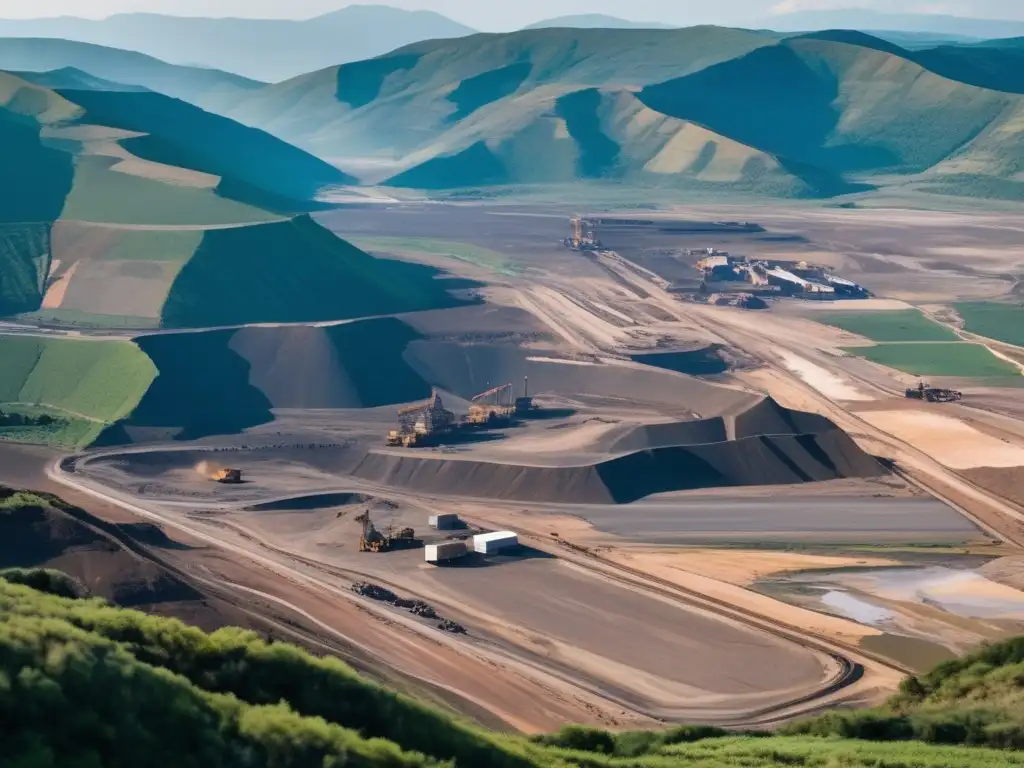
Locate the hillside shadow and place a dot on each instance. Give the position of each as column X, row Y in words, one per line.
column 771, row 99
column 598, row 154
column 360, row 82
column 486, row 88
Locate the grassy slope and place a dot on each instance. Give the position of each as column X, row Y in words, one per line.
column 189, row 696
column 295, row 271
column 199, row 86
column 421, row 86
column 592, row 134
column 101, row 380
column 208, row 143
column 102, row 195
column 1002, row 322
column 820, row 102
column 903, row 325
column 34, row 179
column 804, row 110
column 938, row 359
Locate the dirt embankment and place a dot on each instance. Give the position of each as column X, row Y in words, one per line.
column 95, row 552
column 782, row 455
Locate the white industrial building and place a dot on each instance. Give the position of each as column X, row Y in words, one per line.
column 496, row 541
column 444, row 522
column 445, row 551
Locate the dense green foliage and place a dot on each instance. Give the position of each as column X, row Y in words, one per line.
column 42, row 579
column 294, row 271
column 977, row 699
column 173, row 695
column 98, row 380
column 901, row 325
column 938, row 359
column 23, row 262
column 1002, row 322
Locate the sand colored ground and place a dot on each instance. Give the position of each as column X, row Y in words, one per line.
column 947, row 439
column 826, row 382
column 54, row 297
column 864, row 305
column 744, row 566
column 666, row 566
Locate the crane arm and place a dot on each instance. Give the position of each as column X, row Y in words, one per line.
column 494, row 391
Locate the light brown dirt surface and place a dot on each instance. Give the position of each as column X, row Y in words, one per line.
column 948, row 439
column 745, row 566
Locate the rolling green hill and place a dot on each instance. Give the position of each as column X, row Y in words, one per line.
column 810, row 115
column 84, row 385
column 367, row 107
column 202, row 87
column 197, row 698
column 135, row 210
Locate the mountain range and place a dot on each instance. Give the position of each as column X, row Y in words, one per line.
column 263, row 49
column 596, row 21
column 806, row 115
column 709, row 108
column 863, row 19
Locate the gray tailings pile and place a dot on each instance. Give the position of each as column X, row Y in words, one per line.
column 765, row 444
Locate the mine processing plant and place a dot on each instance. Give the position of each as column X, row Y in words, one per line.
column 583, row 237
column 724, row 273
column 421, row 423
column 499, row 405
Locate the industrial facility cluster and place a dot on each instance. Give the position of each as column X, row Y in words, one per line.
column 425, row 422
column 725, row 272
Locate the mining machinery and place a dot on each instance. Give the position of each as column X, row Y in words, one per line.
column 933, row 394
column 372, row 540
column 583, row 238
column 492, row 406
column 228, row 476
column 421, row 423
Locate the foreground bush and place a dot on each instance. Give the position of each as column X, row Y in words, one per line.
column 83, row 683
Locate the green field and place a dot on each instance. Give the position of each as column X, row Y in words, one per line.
column 938, row 359
column 65, row 432
column 96, row 382
column 900, row 325
column 78, row 319
column 1002, row 322
column 471, row 254
column 207, row 699
column 103, row 195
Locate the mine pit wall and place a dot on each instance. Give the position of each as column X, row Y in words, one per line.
column 763, row 460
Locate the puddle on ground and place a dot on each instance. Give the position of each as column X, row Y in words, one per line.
column 955, row 608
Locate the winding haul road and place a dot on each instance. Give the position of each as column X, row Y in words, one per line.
column 853, row 671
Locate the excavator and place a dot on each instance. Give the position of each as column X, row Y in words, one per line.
column 372, row 540
column 933, row 394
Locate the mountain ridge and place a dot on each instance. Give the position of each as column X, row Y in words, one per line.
column 270, row 50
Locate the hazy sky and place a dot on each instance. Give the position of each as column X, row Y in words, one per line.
column 511, row 14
